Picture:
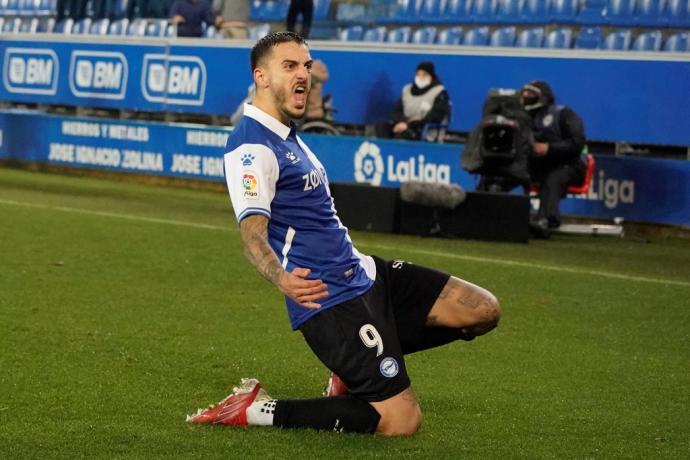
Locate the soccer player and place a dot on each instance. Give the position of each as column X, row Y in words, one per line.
column 359, row 314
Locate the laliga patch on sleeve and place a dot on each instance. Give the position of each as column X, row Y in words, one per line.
column 250, row 183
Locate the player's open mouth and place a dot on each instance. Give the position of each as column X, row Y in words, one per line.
column 300, row 95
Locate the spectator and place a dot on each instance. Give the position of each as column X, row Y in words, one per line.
column 423, row 101
column 232, row 17
column 319, row 76
column 557, row 161
column 189, row 15
column 306, row 9
column 75, row 9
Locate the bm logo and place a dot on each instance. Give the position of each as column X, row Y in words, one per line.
column 30, row 71
column 174, row 79
column 98, row 74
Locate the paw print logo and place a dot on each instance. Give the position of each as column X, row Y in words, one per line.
column 291, row 156
column 247, row 159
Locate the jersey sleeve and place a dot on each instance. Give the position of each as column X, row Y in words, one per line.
column 251, row 173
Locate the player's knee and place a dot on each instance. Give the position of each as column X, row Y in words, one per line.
column 400, row 423
column 487, row 315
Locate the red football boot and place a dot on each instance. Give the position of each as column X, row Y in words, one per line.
column 335, row 387
column 233, row 409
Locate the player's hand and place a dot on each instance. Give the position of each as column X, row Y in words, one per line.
column 303, row 291
column 540, row 149
column 399, row 127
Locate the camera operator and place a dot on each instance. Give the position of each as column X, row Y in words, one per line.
column 556, row 161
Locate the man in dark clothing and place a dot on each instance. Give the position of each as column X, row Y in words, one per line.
column 306, row 9
column 189, row 14
column 421, row 102
column 557, row 161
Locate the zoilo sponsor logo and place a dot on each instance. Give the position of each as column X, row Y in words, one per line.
column 173, row 79
column 30, row 71
column 101, row 75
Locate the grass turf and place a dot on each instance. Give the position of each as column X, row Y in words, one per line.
column 124, row 307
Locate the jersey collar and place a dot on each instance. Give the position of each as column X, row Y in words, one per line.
column 267, row 120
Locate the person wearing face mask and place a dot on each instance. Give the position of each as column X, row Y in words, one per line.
column 557, row 161
column 423, row 101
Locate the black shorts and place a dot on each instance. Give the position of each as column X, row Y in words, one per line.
column 364, row 339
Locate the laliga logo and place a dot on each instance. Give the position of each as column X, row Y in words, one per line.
column 173, row 79
column 30, row 71
column 369, row 168
column 98, row 74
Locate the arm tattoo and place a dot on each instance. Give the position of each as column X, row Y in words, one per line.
column 254, row 231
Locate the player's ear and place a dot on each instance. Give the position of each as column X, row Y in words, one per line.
column 260, row 77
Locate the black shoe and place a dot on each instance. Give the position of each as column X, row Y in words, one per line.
column 540, row 228
column 554, row 222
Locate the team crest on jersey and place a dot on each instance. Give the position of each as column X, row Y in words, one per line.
column 250, row 183
column 247, row 159
column 292, row 157
column 389, row 367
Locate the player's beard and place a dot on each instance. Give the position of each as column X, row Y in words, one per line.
column 281, row 96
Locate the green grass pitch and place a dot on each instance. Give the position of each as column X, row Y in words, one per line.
column 124, row 307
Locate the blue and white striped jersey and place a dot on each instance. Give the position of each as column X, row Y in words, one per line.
column 270, row 171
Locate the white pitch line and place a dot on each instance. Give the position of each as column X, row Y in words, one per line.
column 488, row 260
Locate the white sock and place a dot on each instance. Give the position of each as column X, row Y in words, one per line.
column 261, row 413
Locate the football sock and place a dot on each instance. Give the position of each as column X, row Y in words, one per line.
column 338, row 413
column 261, row 413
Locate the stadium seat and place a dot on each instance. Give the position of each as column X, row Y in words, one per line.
column 46, row 8
column 618, row 40
column 259, row 31
column 156, row 28
column 677, row 12
column 531, row 38
column 504, row 37
column 621, row 12
column 456, row 11
column 271, row 10
column 399, row 35
column 137, row 28
column 322, row 9
column 375, row 34
column 564, row 11
column 119, row 8
column 170, row 30
column 210, row 32
column 679, row 43
column 82, row 26
column 536, row 11
column 350, row 12
column 28, row 7
column 118, row 27
column 45, row 25
column 509, row 11
column 648, row 41
column 425, row 35
column 583, row 187
column 11, row 25
column 10, row 8
column 351, row 34
column 559, row 39
column 64, row 26
column 592, row 13
column 648, row 13
column 99, row 27
column 28, row 26
column 483, row 11
column 432, row 10
column 479, row 36
column 451, row 36
column 589, row 38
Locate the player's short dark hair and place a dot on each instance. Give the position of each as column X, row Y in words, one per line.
column 266, row 44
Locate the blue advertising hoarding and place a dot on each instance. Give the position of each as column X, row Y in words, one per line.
column 621, row 96
column 643, row 190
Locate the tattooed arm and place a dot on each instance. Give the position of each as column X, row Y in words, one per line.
column 254, row 231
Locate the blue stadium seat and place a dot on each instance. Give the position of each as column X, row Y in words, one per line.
column 118, row 27
column 401, row 11
column 509, row 11
column 349, row 12
column 2, row 21
column 210, row 32
column 618, row 40
column 451, row 36
column 564, row 11
column 137, row 28
column 589, row 38
column 259, row 31
column 28, row 26
column 432, row 10
column 28, row 7
column 156, row 28
column 536, row 11
column 271, row 10
column 10, row 8
column 119, row 8
column 559, row 39
column 678, row 13
column 170, row 30
column 375, row 34
column 99, row 27
column 11, row 25
column 456, row 11
column 479, row 36
column 82, row 26
column 64, row 26
column 531, row 38
column 399, row 35
column 621, row 12
column 45, row 25
column 679, row 42
column 322, row 9
column 648, row 41
column 592, row 13
column 648, row 13
column 46, row 8
column 425, row 35
column 351, row 34
column 504, row 37
column 412, row 13
column 483, row 11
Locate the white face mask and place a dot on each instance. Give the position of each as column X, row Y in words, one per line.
column 422, row 82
